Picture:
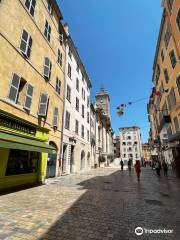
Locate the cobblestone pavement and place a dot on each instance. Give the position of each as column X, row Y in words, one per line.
column 102, row 204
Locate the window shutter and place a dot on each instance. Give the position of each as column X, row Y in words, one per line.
column 29, row 94
column 26, row 43
column 55, row 117
column 29, row 47
column 47, row 67
column 14, row 88
column 43, row 104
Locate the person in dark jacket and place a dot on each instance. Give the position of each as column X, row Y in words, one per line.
column 165, row 168
column 122, row 164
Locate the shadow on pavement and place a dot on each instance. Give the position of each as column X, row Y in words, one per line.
column 114, row 205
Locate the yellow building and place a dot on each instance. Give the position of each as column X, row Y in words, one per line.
column 164, row 104
column 32, row 55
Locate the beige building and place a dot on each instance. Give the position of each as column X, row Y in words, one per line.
column 32, row 74
column 164, row 107
column 146, row 152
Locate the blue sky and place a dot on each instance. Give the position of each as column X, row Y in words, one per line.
column 116, row 41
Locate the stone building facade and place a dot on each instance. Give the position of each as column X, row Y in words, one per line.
column 130, row 144
column 32, row 74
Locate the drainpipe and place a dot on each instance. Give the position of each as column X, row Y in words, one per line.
column 63, row 114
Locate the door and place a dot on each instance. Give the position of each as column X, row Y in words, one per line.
column 51, row 163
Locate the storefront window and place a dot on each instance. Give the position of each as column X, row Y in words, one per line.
column 22, row 162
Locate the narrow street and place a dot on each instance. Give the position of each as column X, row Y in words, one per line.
column 100, row 204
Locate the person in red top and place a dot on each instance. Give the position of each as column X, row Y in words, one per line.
column 137, row 168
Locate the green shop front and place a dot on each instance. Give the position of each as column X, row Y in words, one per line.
column 23, row 152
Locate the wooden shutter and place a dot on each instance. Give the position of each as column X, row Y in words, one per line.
column 47, row 67
column 55, row 117
column 28, row 99
column 14, row 88
column 43, row 104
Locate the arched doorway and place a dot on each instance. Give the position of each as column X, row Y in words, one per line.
column 51, row 162
column 88, row 159
column 82, row 160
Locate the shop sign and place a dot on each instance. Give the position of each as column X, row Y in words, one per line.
column 16, row 125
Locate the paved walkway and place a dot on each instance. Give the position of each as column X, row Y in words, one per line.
column 102, row 204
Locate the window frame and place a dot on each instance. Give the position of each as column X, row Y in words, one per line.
column 28, row 44
column 47, row 31
column 30, row 6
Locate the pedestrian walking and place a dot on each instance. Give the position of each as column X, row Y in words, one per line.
column 129, row 164
column 137, row 168
column 158, row 168
column 165, row 168
column 122, row 165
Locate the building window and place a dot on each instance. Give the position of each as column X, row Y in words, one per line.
column 77, row 127
column 77, row 68
column 83, row 94
column 61, row 38
column 88, row 135
column 162, row 55
column 88, row 101
column 129, row 137
column 124, row 155
column 82, row 131
column 55, row 117
column 22, row 162
column 167, row 35
column 166, row 75
column 178, row 83
column 170, row 5
column 77, row 104
column 26, row 44
column 59, row 58
column 123, row 143
column 69, row 70
column 171, row 99
column 88, row 117
column 17, row 88
column 47, row 67
column 77, row 84
column 30, row 5
column 28, row 98
column 58, row 86
column 47, row 31
column 178, row 19
column 67, row 121
column 83, row 111
column 157, row 73
column 70, row 53
column 43, row 105
column 68, row 94
column 50, row 8
column 173, row 58
column 176, row 124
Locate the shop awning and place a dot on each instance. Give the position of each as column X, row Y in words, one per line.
column 22, row 143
